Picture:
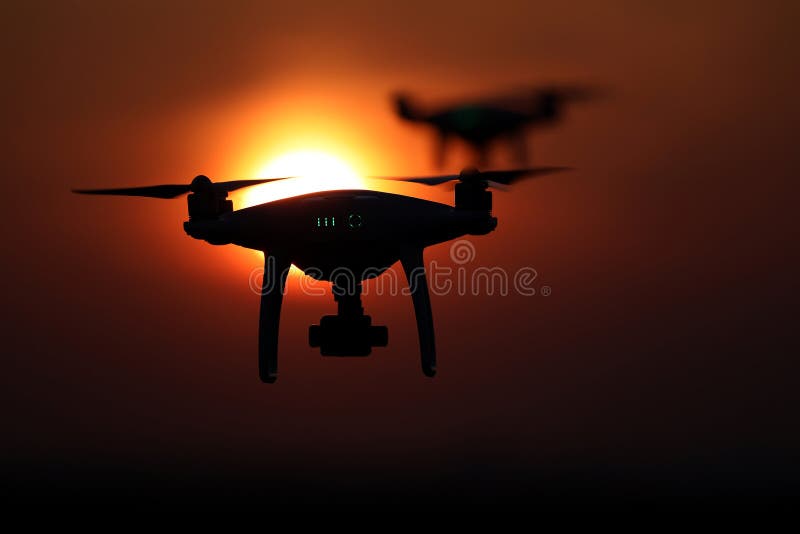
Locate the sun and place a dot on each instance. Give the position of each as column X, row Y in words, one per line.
column 313, row 170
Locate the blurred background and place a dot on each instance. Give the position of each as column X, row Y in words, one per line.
column 663, row 362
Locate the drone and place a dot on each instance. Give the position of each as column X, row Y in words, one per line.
column 484, row 122
column 343, row 237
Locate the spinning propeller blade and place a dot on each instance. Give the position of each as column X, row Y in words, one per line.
column 174, row 190
column 154, row 191
column 499, row 177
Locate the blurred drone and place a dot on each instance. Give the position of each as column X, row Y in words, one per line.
column 484, row 122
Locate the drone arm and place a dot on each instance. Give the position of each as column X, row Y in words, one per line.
column 276, row 269
column 418, row 285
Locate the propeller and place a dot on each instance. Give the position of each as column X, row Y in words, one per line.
column 475, row 176
column 200, row 183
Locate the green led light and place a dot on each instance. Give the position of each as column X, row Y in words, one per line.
column 355, row 221
column 326, row 222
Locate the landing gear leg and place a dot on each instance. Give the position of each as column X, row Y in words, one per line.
column 276, row 269
column 418, row 284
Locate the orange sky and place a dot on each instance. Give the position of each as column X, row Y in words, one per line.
column 671, row 249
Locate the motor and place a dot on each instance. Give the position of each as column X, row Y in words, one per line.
column 207, row 201
column 472, row 192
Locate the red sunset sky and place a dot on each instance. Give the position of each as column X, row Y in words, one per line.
column 665, row 357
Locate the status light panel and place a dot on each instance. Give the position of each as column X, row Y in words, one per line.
column 326, row 222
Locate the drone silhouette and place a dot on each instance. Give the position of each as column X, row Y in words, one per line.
column 344, row 237
column 482, row 123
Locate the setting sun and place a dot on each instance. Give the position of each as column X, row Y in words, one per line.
column 312, row 171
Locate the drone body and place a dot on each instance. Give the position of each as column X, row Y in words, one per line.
column 357, row 231
column 344, row 237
